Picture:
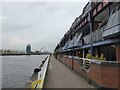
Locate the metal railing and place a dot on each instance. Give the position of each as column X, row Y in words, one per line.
column 113, row 25
column 97, row 35
column 85, row 65
column 87, row 39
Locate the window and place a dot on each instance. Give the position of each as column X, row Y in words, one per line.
column 99, row 7
column 94, row 11
column 109, row 52
column 77, row 27
column 105, row 2
column 80, row 25
column 85, row 20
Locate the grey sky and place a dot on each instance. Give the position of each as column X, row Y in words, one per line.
column 41, row 24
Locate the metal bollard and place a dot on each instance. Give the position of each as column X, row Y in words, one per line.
column 36, row 70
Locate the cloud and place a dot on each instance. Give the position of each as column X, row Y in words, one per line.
column 14, row 27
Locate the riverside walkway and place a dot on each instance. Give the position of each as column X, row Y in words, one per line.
column 60, row 76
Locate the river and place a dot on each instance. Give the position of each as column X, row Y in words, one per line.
column 16, row 70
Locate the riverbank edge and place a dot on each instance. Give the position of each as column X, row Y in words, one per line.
column 34, row 77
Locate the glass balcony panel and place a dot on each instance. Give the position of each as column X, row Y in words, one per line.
column 99, row 36
column 77, row 40
column 70, row 44
column 96, row 36
column 87, row 39
column 66, row 45
column 113, row 26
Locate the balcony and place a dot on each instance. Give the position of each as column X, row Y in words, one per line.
column 113, row 26
column 96, row 36
column 71, row 43
column 77, row 40
column 66, row 45
column 87, row 39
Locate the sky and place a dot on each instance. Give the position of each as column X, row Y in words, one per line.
column 40, row 24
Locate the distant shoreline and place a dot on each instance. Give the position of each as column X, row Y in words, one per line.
column 21, row 54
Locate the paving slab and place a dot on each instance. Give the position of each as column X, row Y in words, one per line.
column 60, row 76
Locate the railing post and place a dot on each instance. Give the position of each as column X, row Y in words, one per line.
column 83, row 53
column 97, row 35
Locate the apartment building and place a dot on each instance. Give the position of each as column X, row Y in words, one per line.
column 95, row 32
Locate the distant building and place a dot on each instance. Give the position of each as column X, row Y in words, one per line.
column 37, row 52
column 28, row 49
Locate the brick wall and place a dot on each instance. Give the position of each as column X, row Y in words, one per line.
column 69, row 62
column 119, row 77
column 95, row 73
column 118, row 52
column 105, row 75
column 76, row 66
column 65, row 61
column 110, row 77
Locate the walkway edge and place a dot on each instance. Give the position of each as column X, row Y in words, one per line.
column 39, row 83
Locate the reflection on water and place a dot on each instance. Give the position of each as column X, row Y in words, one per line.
column 16, row 70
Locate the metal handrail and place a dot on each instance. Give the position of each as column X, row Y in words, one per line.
column 111, row 27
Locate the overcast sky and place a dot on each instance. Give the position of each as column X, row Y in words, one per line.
column 40, row 24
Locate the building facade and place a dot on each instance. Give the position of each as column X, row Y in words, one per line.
column 97, row 30
column 28, row 49
column 94, row 37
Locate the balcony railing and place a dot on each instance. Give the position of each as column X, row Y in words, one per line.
column 96, row 36
column 87, row 39
column 113, row 26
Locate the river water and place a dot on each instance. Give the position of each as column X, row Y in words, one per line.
column 16, row 70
